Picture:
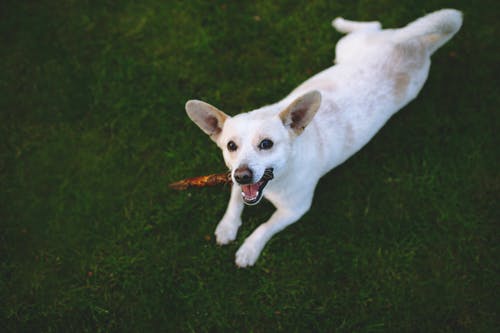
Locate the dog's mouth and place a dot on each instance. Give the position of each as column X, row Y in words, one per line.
column 252, row 193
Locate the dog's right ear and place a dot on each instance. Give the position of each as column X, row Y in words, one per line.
column 207, row 117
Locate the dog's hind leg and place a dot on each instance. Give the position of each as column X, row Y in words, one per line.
column 432, row 30
column 348, row 47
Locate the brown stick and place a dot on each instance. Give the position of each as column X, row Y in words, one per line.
column 202, row 181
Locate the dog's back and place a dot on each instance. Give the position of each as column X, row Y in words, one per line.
column 377, row 72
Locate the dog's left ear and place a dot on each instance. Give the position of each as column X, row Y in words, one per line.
column 298, row 114
column 207, row 117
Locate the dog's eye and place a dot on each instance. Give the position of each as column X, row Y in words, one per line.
column 231, row 146
column 265, row 144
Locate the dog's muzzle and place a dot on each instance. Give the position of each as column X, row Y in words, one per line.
column 251, row 192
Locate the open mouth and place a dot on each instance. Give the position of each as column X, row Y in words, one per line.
column 252, row 193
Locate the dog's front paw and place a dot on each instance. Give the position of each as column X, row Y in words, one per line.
column 248, row 254
column 226, row 232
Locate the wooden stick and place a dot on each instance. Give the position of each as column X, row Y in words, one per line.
column 202, row 181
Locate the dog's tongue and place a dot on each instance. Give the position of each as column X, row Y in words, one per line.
column 250, row 191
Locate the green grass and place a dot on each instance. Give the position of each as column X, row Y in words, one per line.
column 401, row 238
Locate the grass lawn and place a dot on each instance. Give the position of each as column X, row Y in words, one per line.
column 403, row 237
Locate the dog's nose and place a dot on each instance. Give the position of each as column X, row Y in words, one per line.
column 243, row 175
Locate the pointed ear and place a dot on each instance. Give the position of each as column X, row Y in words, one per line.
column 298, row 114
column 207, row 117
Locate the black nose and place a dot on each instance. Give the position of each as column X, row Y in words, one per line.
column 243, row 175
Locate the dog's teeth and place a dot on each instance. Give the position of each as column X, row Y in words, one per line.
column 250, row 198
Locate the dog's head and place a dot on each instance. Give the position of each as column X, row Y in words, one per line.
column 255, row 145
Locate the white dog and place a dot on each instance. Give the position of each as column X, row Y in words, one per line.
column 280, row 151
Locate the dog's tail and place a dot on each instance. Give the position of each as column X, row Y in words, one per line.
column 347, row 26
column 433, row 29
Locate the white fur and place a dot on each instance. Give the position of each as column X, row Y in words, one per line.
column 377, row 72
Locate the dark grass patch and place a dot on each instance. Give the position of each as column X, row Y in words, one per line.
column 401, row 238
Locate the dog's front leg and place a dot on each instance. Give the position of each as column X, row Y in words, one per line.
column 252, row 247
column 228, row 227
